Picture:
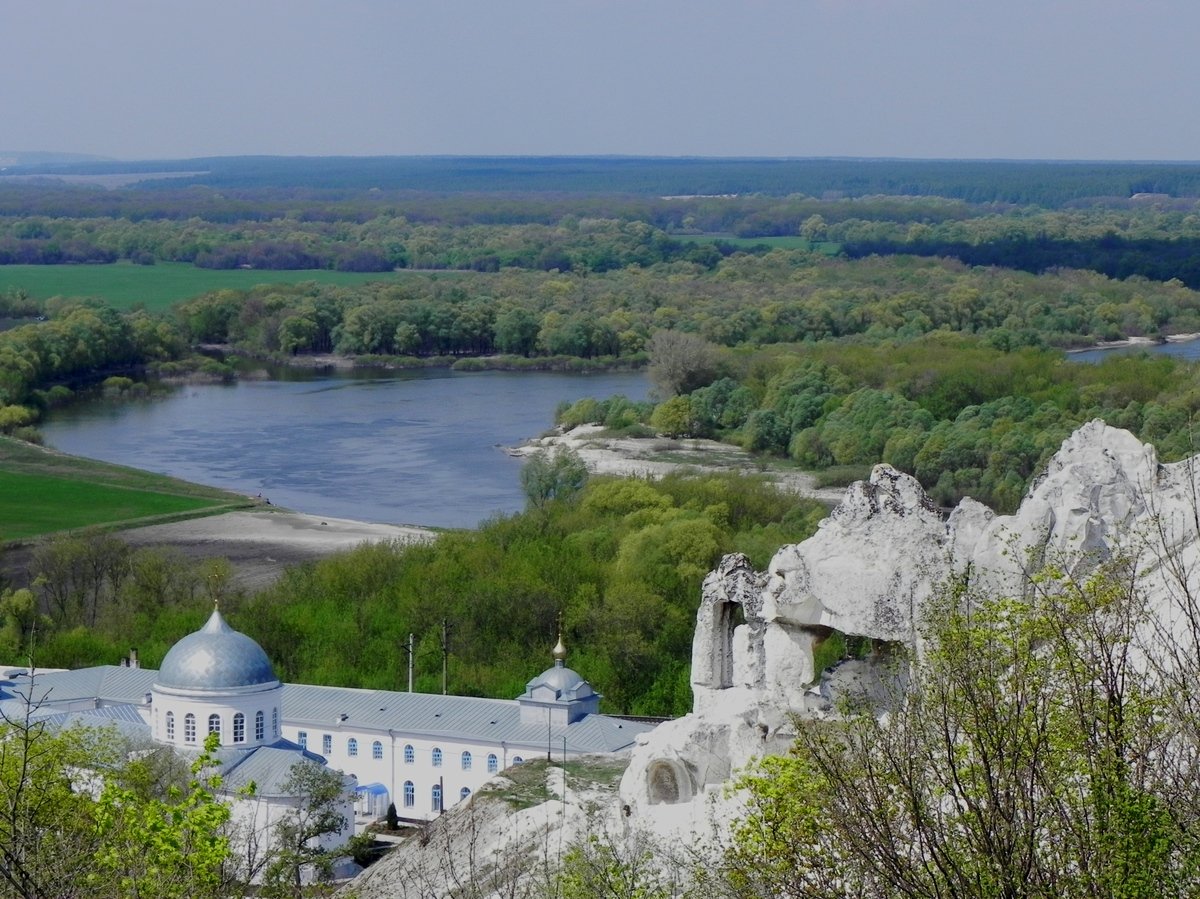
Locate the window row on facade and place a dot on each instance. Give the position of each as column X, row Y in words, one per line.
column 465, row 759
column 215, row 726
column 410, row 796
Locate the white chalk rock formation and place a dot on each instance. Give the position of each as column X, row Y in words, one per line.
column 869, row 571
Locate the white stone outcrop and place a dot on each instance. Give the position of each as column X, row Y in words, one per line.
column 869, row 571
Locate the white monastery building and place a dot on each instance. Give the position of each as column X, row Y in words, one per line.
column 422, row 751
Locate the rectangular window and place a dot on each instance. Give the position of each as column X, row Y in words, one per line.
column 327, row 744
column 302, row 739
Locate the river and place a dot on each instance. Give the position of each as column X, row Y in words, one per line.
column 421, row 447
column 1188, row 350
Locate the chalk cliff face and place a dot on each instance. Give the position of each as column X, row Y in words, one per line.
column 870, row 570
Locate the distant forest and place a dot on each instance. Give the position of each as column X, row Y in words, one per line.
column 1046, row 184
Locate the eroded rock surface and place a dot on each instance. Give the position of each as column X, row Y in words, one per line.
column 870, row 570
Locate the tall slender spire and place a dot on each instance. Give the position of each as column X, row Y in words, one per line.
column 560, row 649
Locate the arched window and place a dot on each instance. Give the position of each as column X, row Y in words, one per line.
column 463, row 794
column 170, row 725
column 517, row 760
column 409, row 755
column 437, row 757
column 352, row 747
column 376, row 750
column 466, row 761
column 437, row 797
column 274, row 723
column 239, row 728
column 259, row 732
column 410, row 794
column 189, row 728
column 214, row 724
column 493, row 763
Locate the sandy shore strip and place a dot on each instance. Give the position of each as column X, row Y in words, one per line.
column 1136, row 341
column 657, row 456
column 261, row 543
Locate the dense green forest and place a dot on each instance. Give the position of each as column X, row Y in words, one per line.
column 965, row 416
column 622, row 560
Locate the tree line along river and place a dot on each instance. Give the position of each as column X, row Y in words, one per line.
column 420, row 447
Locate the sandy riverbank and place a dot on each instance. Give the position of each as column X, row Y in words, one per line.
column 261, row 543
column 655, row 457
column 1136, row 341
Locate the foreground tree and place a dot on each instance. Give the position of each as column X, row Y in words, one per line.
column 298, row 851
column 48, row 832
column 1028, row 751
column 80, row 817
column 171, row 845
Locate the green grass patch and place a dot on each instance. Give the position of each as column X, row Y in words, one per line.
column 43, row 492
column 31, row 505
column 156, row 287
column 521, row 786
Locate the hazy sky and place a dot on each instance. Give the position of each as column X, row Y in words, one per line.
column 1046, row 79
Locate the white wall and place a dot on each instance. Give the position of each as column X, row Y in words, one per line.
column 393, row 771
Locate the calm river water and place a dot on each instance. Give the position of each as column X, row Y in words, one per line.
column 1185, row 349
column 399, row 447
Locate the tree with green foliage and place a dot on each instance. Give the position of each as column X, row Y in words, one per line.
column 298, row 838
column 673, row 418
column 172, row 846
column 49, row 833
column 80, row 815
column 1027, row 752
column 552, row 474
column 631, row 866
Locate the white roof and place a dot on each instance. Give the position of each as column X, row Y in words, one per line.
column 461, row 718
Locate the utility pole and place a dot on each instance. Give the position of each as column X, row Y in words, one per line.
column 409, row 650
column 445, row 655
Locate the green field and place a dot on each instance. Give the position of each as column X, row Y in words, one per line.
column 123, row 284
column 43, row 492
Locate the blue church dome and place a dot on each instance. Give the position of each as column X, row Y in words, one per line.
column 216, row 658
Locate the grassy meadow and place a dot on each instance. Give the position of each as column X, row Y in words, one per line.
column 124, row 285
column 44, row 492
